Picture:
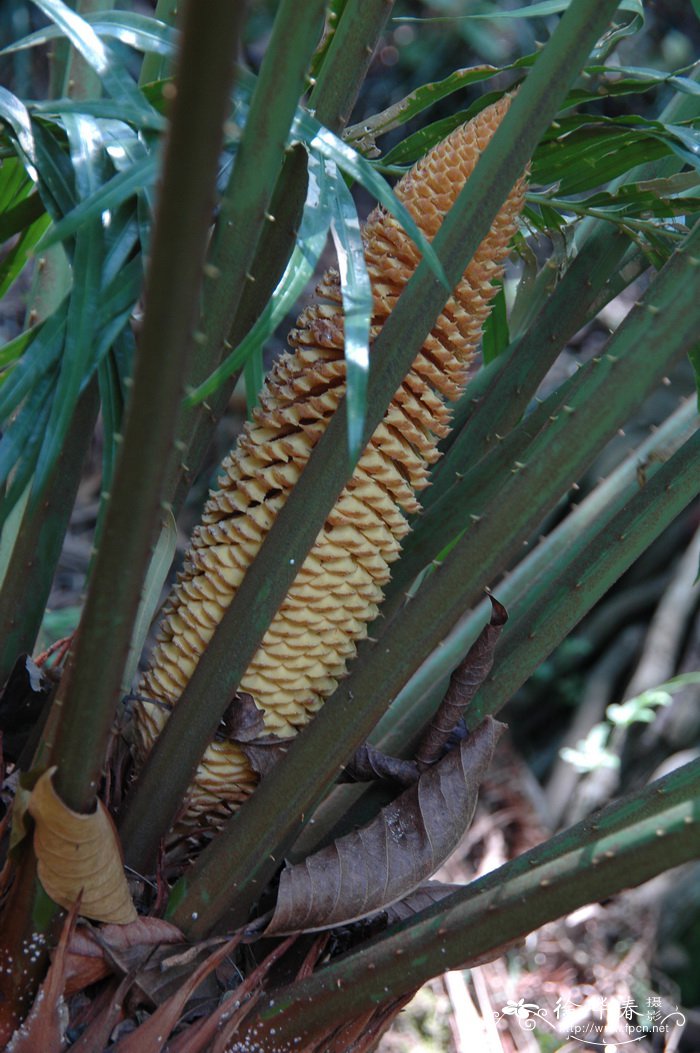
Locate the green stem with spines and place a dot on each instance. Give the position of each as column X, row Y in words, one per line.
column 395, row 731
column 332, row 98
column 244, row 216
column 615, row 385
column 342, row 74
column 155, row 67
column 621, row 846
column 539, row 587
column 569, row 589
column 90, row 690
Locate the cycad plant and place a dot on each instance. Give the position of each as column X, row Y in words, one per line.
column 174, row 220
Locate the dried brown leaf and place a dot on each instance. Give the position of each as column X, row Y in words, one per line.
column 242, row 720
column 464, row 683
column 424, row 896
column 153, row 1033
column 214, row 1032
column 369, row 869
column 79, row 854
column 263, row 754
column 92, row 956
column 369, row 763
column 243, row 724
column 105, row 1012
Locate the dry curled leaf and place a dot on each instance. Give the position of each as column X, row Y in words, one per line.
column 153, row 1033
column 421, row 898
column 370, row 763
column 116, row 948
column 243, row 725
column 464, row 684
column 371, row 868
column 79, row 854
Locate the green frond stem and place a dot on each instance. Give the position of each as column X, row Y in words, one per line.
column 614, row 385
column 620, row 847
column 332, row 98
column 37, row 547
column 573, row 535
column 347, row 60
column 248, row 848
column 89, row 692
column 492, row 408
column 244, row 216
column 565, row 592
column 539, row 582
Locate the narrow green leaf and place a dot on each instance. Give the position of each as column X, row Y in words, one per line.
column 15, row 260
column 322, row 141
column 357, row 305
column 161, row 561
column 20, row 216
column 83, row 308
column 20, row 443
column 141, row 32
column 311, row 239
column 17, row 116
column 56, row 183
column 416, row 145
column 15, row 184
column 121, row 237
column 496, row 335
column 364, row 134
column 109, row 109
column 253, row 374
column 648, row 76
column 14, row 349
column 46, row 348
column 112, row 73
column 113, row 193
column 542, row 9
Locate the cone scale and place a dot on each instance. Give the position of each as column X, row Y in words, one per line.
column 339, row 586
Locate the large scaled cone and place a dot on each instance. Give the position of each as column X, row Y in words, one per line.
column 338, row 588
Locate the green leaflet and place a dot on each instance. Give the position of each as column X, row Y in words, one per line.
column 112, row 73
column 322, row 141
column 313, row 232
column 356, row 291
column 142, row 32
column 158, row 568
